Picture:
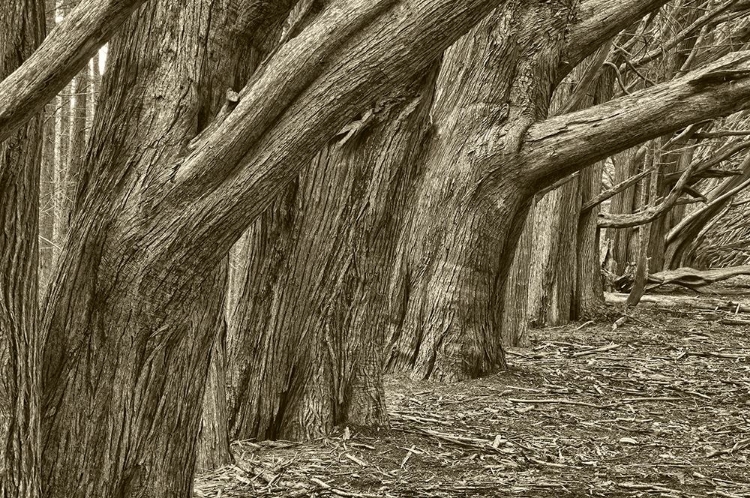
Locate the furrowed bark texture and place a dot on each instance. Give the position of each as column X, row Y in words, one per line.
column 457, row 246
column 552, row 278
column 229, row 68
column 162, row 211
column 515, row 319
column 317, row 315
column 588, row 299
column 128, row 349
column 146, row 376
column 22, row 28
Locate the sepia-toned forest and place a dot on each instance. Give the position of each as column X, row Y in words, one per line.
column 245, row 243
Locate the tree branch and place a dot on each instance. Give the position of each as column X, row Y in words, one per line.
column 61, row 56
column 602, row 20
column 563, row 144
column 607, row 194
column 351, row 58
column 609, row 220
column 679, row 37
column 712, row 203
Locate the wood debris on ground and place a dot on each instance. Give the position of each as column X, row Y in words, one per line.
column 658, row 407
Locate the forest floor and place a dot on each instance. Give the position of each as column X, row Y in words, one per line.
column 659, row 406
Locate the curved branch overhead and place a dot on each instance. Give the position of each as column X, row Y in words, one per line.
column 566, row 143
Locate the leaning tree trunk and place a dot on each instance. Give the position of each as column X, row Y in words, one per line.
column 457, row 247
column 315, row 301
column 22, row 28
column 128, row 330
column 623, row 241
column 100, row 301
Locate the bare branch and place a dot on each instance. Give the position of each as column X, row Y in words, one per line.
column 704, row 168
column 602, row 20
column 563, row 144
column 722, row 134
column 609, row 193
column 712, row 203
column 679, row 37
column 610, row 220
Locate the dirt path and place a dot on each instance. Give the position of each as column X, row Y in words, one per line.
column 658, row 407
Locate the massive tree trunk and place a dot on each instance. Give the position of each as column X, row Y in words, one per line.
column 22, row 28
column 149, row 110
column 315, row 301
column 128, row 350
column 485, row 160
column 456, row 247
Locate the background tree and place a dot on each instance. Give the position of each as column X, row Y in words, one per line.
column 22, row 28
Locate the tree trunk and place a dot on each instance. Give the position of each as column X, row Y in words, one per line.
column 126, row 359
column 515, row 318
column 142, row 404
column 588, row 300
column 22, row 28
column 624, row 241
column 213, row 439
column 552, row 276
column 458, row 244
column 315, row 301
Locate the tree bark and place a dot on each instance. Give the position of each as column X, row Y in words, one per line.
column 458, row 245
column 588, row 300
column 100, row 320
column 22, row 29
column 515, row 316
column 127, row 357
column 317, row 312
